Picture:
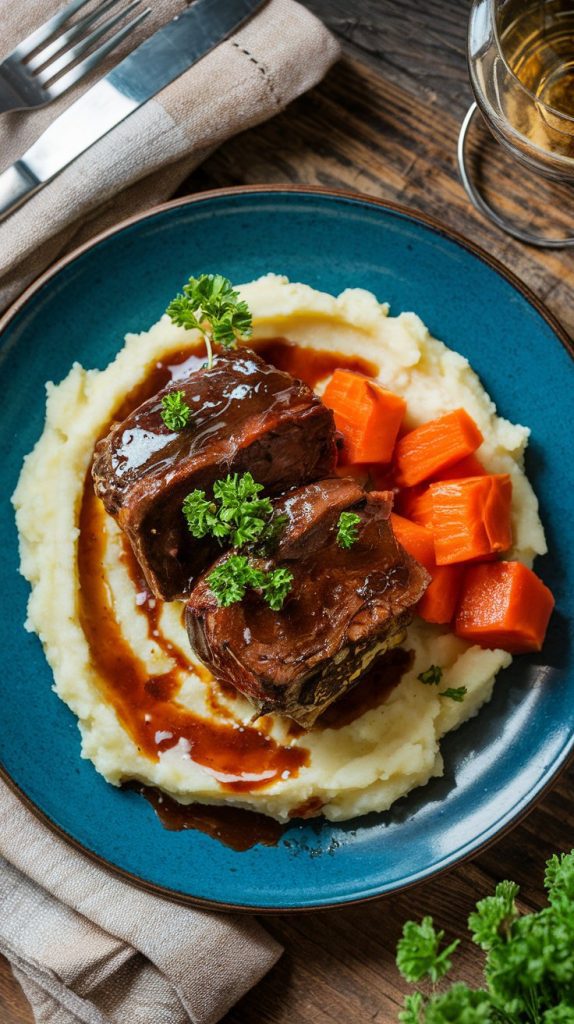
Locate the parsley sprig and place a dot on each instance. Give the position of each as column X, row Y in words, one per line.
column 432, row 677
column 175, row 411
column 347, row 529
column 210, row 304
column 529, row 965
column 239, row 516
column 456, row 693
column 236, row 514
column 230, row 581
column 418, row 952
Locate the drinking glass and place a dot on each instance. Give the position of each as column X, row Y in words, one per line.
column 521, row 62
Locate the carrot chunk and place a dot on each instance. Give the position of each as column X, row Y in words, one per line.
column 440, row 598
column 438, row 603
column 415, row 539
column 416, row 503
column 471, row 518
column 368, row 416
column 469, row 466
column 504, row 604
column 435, row 446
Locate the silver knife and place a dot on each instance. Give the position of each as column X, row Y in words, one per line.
column 139, row 76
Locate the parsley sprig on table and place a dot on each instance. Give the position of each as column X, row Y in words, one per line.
column 238, row 516
column 432, row 677
column 175, row 411
column 347, row 529
column 529, row 966
column 210, row 304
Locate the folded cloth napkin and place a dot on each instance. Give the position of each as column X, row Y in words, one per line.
column 88, row 947
column 282, row 51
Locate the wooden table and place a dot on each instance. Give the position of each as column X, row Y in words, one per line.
column 385, row 122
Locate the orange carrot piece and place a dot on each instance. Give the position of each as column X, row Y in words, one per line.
column 435, row 446
column 439, row 601
column 416, row 504
column 469, row 466
column 471, row 518
column 504, row 604
column 415, row 539
column 368, row 416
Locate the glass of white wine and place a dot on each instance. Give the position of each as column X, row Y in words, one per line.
column 521, row 60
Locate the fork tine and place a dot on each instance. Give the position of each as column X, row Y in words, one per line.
column 71, row 55
column 45, row 31
column 64, row 38
column 85, row 66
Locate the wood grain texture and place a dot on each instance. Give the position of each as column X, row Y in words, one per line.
column 385, row 122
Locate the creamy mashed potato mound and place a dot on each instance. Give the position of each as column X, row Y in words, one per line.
column 387, row 751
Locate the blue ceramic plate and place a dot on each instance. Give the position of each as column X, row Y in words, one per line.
column 497, row 765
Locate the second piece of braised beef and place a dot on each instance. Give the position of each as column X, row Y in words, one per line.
column 345, row 608
column 246, row 415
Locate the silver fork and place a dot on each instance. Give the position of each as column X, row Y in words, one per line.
column 35, row 74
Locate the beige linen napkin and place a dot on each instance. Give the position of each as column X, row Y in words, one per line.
column 88, row 947
column 282, row 51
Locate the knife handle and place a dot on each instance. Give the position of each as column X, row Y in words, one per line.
column 16, row 184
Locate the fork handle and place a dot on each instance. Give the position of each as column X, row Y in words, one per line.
column 16, row 184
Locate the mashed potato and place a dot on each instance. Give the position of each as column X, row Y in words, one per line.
column 381, row 755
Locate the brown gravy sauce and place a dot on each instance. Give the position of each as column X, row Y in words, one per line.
column 240, row 757
column 232, row 826
column 310, row 364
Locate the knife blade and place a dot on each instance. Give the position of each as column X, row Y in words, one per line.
column 137, row 78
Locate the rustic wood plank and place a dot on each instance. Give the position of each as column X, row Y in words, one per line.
column 361, row 132
column 385, row 122
column 14, row 1007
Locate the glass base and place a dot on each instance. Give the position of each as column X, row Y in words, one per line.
column 480, row 203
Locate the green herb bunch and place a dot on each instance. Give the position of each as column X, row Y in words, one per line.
column 175, row 411
column 347, row 529
column 237, row 515
column 529, row 966
column 210, row 304
column 231, row 579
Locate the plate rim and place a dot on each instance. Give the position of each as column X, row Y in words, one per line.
column 428, row 221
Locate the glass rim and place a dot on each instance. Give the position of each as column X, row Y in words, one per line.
column 541, row 103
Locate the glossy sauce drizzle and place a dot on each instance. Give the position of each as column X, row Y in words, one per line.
column 232, row 826
column 310, row 364
column 241, row 758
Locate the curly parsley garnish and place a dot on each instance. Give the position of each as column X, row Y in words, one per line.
column 347, row 529
column 210, row 304
column 231, row 579
column 432, row 675
column 528, row 970
column 457, row 693
column 236, row 514
column 275, row 588
column 175, row 411
column 418, row 953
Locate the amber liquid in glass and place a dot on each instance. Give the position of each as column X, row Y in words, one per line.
column 537, row 41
